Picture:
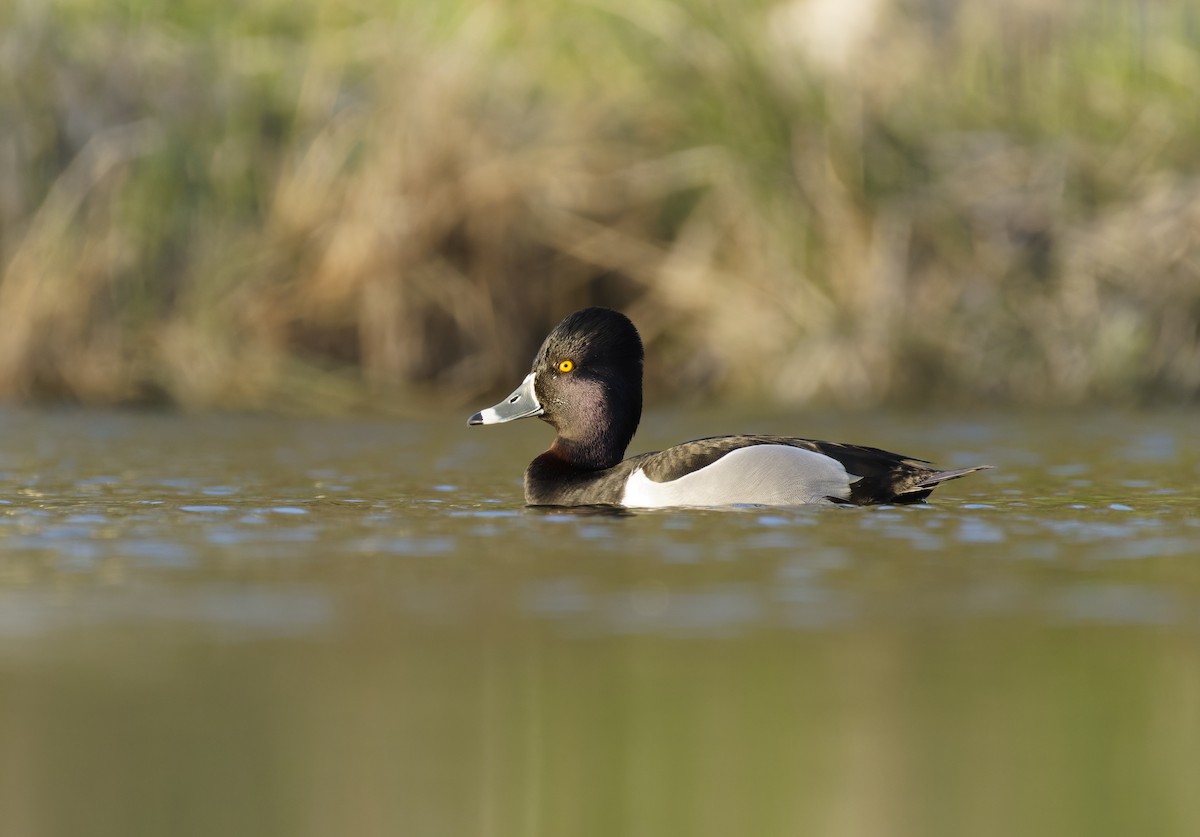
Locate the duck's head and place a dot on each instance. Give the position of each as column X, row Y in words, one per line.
column 586, row 382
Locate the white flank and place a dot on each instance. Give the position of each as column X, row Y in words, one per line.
column 767, row 475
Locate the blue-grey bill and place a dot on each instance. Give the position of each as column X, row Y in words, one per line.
column 521, row 404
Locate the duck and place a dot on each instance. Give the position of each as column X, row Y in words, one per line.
column 586, row 382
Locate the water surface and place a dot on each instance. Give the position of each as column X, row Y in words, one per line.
column 266, row 626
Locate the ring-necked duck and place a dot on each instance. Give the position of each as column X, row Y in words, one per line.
column 587, row 383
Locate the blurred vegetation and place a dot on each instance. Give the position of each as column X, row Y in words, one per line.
column 311, row 205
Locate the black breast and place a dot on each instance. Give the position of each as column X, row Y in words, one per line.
column 552, row 481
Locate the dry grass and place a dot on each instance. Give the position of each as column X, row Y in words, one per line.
column 292, row 206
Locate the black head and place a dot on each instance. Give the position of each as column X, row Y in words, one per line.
column 598, row 342
column 588, row 378
column 586, row 382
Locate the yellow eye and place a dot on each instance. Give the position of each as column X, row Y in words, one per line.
column 566, row 365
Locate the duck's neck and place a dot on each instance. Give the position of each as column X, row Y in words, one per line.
column 596, row 445
column 594, row 436
column 594, row 454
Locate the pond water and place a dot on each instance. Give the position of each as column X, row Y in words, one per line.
column 230, row 625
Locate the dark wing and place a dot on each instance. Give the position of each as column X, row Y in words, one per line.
column 683, row 459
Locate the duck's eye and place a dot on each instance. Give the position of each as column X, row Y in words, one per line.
column 566, row 365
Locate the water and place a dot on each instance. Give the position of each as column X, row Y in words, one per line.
column 265, row 626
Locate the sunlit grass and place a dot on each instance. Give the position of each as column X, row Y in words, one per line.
column 318, row 206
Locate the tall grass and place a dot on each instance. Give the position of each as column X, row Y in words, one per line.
column 321, row 206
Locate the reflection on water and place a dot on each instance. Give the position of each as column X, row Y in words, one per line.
column 242, row 625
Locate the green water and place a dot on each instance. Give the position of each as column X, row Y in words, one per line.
column 263, row 626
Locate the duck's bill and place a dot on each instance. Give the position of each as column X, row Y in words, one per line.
column 523, row 403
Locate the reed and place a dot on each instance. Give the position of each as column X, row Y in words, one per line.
column 307, row 206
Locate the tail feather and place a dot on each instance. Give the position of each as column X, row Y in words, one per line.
column 938, row 477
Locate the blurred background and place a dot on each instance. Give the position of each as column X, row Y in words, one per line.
column 239, row 616
column 314, row 206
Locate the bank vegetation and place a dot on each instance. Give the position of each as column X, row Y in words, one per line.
column 329, row 206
